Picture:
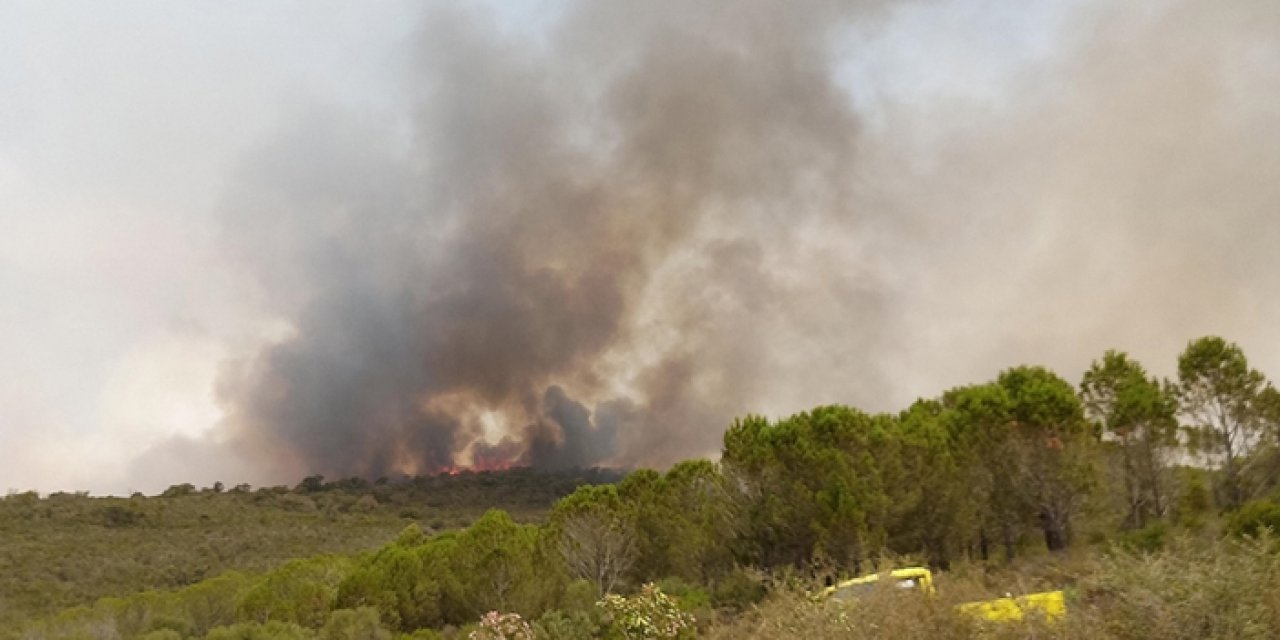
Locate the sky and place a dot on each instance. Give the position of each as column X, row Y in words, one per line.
column 252, row 241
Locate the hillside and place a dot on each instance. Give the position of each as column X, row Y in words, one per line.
column 1019, row 484
column 69, row 549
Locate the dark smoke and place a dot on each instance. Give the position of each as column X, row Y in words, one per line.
column 506, row 264
column 599, row 245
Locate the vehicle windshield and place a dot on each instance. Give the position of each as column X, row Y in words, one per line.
column 849, row 592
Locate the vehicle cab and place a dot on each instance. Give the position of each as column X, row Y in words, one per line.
column 908, row 579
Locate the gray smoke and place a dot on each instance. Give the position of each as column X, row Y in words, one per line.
column 599, row 246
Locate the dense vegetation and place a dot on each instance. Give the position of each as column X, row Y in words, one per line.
column 70, row 549
column 1130, row 491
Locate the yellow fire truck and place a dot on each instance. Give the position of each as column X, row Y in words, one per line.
column 1050, row 605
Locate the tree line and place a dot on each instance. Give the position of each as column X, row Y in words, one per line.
column 1020, row 464
column 985, row 469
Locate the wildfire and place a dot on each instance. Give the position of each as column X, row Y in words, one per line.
column 479, row 466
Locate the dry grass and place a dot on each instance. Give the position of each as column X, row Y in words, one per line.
column 1192, row 590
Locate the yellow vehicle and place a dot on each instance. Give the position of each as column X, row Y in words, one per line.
column 1050, row 605
column 906, row 578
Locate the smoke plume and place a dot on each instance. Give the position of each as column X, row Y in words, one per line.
column 599, row 244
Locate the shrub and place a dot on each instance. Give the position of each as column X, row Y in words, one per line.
column 579, row 595
column 423, row 634
column 256, row 631
column 1191, row 590
column 883, row 614
column 366, row 504
column 649, row 614
column 179, row 490
column 687, row 596
column 561, row 625
column 354, row 624
column 502, row 626
column 161, row 634
column 1147, row 539
column 295, row 502
column 738, row 590
column 117, row 516
column 301, row 591
column 1253, row 517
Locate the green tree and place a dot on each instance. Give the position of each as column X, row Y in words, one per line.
column 179, row 490
column 1230, row 403
column 409, row 582
column 1194, row 497
column 595, row 535
column 936, row 508
column 989, row 466
column 814, row 486
column 310, row 484
column 1054, row 444
column 301, row 592
column 700, row 519
column 504, row 566
column 211, row 603
column 1139, row 415
column 681, row 520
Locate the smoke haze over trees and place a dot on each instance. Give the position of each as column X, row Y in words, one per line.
column 990, row 477
column 588, row 249
column 598, row 236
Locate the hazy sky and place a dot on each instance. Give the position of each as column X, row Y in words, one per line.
column 993, row 183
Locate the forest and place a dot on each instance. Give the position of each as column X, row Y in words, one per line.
column 1151, row 501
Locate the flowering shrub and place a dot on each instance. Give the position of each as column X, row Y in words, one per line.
column 502, row 626
column 648, row 614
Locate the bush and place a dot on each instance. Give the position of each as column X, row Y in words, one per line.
column 650, row 614
column 161, row 634
column 162, row 622
column 295, row 502
column 880, row 615
column 301, row 591
column 689, row 598
column 1194, row 499
column 117, row 516
column 1191, row 590
column 179, row 490
column 257, row 631
column 1253, row 517
column 502, row 626
column 1148, row 539
column 579, row 595
column 738, row 590
column 560, row 625
column 366, row 504
column 423, row 634
column 354, row 624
